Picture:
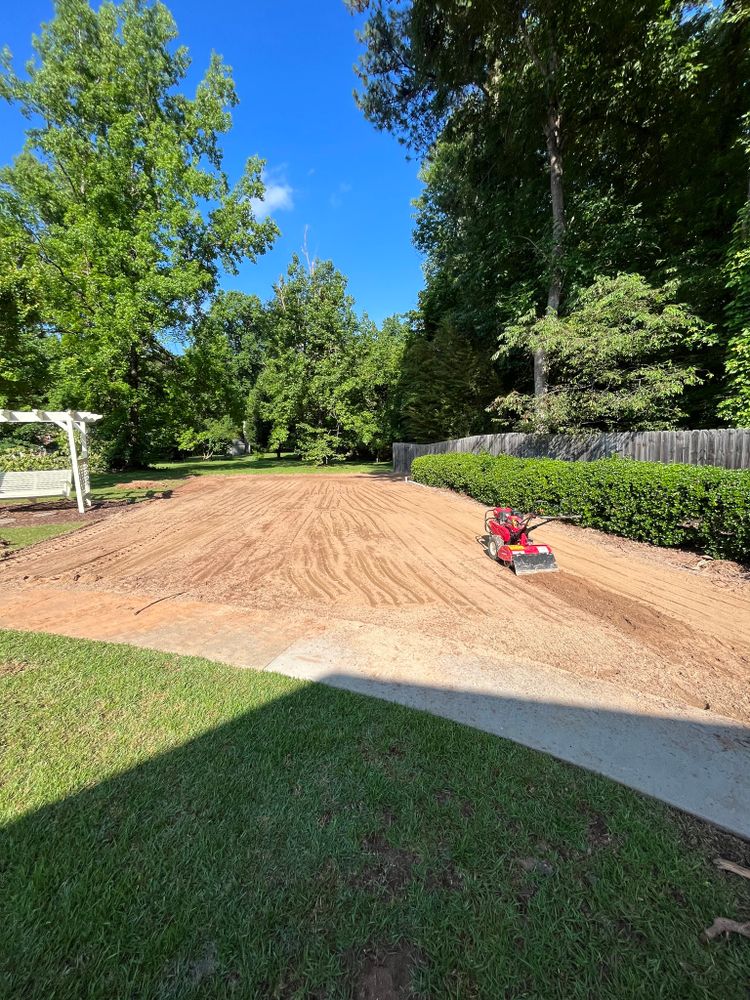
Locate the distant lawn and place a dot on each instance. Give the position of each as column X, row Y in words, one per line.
column 171, row 827
column 104, row 485
column 27, row 535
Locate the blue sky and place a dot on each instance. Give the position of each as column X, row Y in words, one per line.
column 327, row 167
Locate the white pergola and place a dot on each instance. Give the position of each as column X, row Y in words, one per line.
column 70, row 421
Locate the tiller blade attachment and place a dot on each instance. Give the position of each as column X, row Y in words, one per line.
column 524, row 563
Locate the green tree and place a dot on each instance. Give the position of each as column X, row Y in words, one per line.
column 446, row 382
column 241, row 321
column 372, row 387
column 208, row 437
column 26, row 349
column 560, row 142
column 223, row 361
column 127, row 213
column 612, row 363
column 736, row 406
column 330, row 383
column 302, row 396
column 537, row 76
column 208, row 386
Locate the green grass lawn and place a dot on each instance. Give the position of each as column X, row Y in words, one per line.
column 104, row 485
column 19, row 537
column 177, row 828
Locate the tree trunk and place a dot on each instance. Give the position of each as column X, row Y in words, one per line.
column 548, row 69
column 135, row 458
column 553, row 134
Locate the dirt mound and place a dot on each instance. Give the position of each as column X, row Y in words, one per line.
column 143, row 484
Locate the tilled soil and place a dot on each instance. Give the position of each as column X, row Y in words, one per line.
column 381, row 551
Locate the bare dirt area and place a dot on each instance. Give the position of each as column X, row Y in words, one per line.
column 293, row 554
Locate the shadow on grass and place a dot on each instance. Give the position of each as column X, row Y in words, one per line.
column 324, row 843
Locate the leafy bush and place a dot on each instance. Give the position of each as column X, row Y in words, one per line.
column 663, row 504
column 34, row 436
column 615, row 362
column 318, row 445
column 21, row 459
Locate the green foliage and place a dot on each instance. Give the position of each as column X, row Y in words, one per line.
column 644, row 91
column 126, row 213
column 34, row 436
column 316, row 444
column 26, row 350
column 219, row 369
column 446, row 381
column 312, row 328
column 668, row 505
column 24, row 454
column 212, row 436
column 736, row 406
column 613, row 363
column 327, row 388
column 225, row 358
column 372, row 387
column 19, row 459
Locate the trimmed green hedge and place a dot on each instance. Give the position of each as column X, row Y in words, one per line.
column 699, row 506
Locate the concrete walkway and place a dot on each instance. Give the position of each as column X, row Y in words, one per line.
column 697, row 761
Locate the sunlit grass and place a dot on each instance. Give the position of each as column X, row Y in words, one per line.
column 167, row 474
column 19, row 537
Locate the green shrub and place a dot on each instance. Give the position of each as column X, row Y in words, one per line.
column 29, row 459
column 24, row 459
column 671, row 505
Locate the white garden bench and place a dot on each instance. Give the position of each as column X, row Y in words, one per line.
column 44, row 483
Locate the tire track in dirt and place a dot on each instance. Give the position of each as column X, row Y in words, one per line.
column 462, row 599
column 362, row 563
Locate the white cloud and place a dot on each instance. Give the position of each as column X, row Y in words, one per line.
column 337, row 198
column 278, row 197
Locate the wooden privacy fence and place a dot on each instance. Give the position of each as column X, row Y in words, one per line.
column 728, row 448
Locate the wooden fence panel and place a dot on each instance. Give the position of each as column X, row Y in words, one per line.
column 727, row 448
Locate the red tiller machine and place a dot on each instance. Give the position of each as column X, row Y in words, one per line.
column 508, row 532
